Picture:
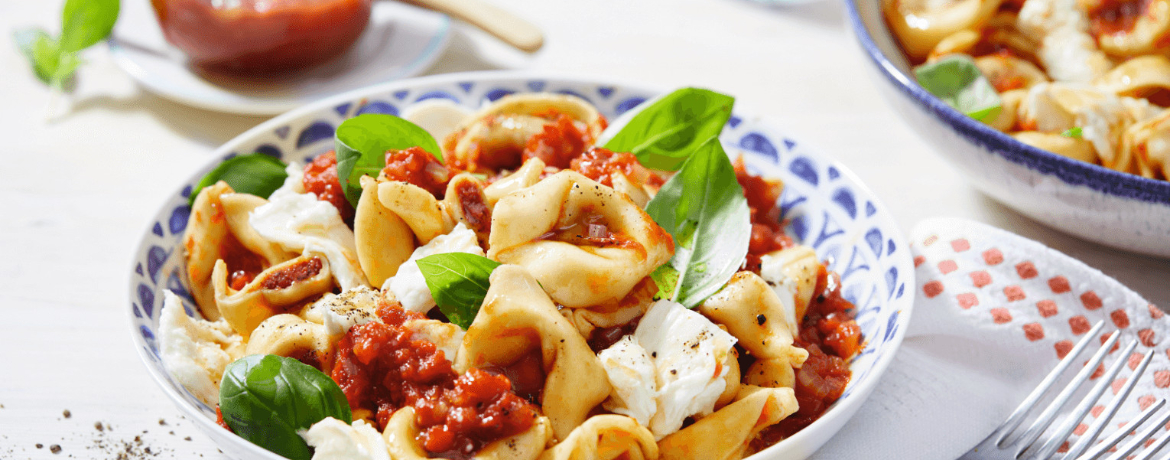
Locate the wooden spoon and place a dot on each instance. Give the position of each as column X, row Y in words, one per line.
column 503, row 25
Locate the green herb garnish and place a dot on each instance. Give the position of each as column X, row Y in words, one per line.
column 458, row 282
column 255, row 173
column 703, row 207
column 957, row 81
column 661, row 132
column 1074, row 132
column 362, row 141
column 267, row 398
column 83, row 24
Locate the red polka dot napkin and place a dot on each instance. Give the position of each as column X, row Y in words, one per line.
column 994, row 313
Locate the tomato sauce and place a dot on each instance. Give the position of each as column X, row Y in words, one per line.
column 1116, row 17
column 558, row 143
column 320, row 178
column 243, row 265
column 767, row 234
column 381, row 368
column 418, row 167
column 475, row 211
column 292, row 274
column 600, row 165
column 832, row 338
column 262, row 37
column 590, row 228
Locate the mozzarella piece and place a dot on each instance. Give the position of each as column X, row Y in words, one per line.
column 332, row 439
column 194, row 351
column 632, row 375
column 299, row 222
column 294, row 183
column 1067, row 50
column 340, row 312
column 409, row 286
column 688, row 351
column 440, row 117
column 772, row 271
column 446, row 336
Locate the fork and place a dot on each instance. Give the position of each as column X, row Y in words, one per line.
column 997, row 445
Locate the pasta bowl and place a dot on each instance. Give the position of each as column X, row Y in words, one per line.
column 824, row 206
column 1098, row 204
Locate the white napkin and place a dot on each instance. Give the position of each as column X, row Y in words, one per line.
column 993, row 313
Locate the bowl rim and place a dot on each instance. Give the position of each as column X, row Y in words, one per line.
column 903, row 306
column 1069, row 171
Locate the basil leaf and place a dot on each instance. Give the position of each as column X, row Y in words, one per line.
column 41, row 51
column 267, row 398
column 1075, row 132
column 255, row 173
column 666, row 278
column 458, row 282
column 957, row 81
column 86, row 22
column 361, row 143
column 663, row 131
column 703, row 207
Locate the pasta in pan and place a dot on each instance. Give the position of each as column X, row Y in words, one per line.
column 1075, row 77
column 575, row 348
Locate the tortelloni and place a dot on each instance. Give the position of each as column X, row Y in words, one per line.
column 501, row 136
column 517, row 318
column 922, row 24
column 586, row 243
column 727, row 434
column 276, row 290
column 401, row 435
column 290, row 336
column 606, row 437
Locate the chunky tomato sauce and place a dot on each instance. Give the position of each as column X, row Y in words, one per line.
column 558, row 143
column 590, row 228
column 243, row 265
column 292, row 274
column 832, row 338
column 381, row 368
column 600, row 165
column 475, row 211
column 418, row 167
column 320, row 178
column 767, row 234
column 1116, row 17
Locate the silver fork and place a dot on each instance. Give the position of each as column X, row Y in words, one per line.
column 997, row 446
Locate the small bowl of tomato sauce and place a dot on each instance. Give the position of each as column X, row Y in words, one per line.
column 261, row 37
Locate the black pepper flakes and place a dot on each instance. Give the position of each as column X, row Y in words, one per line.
column 761, row 319
column 67, row 414
column 56, row 449
column 40, row 446
column 98, row 426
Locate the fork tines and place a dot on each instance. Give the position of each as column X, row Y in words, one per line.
column 1027, row 441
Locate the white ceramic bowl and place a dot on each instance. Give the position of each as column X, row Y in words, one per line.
column 1090, row 201
column 824, row 204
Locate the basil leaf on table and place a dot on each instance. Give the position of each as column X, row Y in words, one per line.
column 254, row 173
column 661, row 132
column 267, row 398
column 361, row 143
column 86, row 22
column 83, row 24
column 957, row 81
column 703, row 207
column 458, row 282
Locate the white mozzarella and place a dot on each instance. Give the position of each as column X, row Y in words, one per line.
column 772, row 271
column 688, row 351
column 631, row 373
column 332, row 439
column 194, row 350
column 299, row 222
column 409, row 286
column 340, row 312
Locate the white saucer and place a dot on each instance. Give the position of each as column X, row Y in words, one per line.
column 401, row 41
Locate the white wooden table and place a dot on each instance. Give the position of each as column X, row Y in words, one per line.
column 77, row 192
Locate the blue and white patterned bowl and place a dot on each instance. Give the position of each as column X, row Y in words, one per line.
column 824, row 204
column 1093, row 202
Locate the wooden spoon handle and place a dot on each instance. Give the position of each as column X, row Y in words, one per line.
column 491, row 19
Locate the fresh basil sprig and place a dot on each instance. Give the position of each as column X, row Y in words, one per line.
column 362, row 141
column 703, row 207
column 83, row 24
column 254, row 173
column 267, row 398
column 458, row 282
column 957, row 81
column 661, row 132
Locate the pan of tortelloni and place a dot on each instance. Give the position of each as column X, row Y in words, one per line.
column 530, row 281
column 1088, row 80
